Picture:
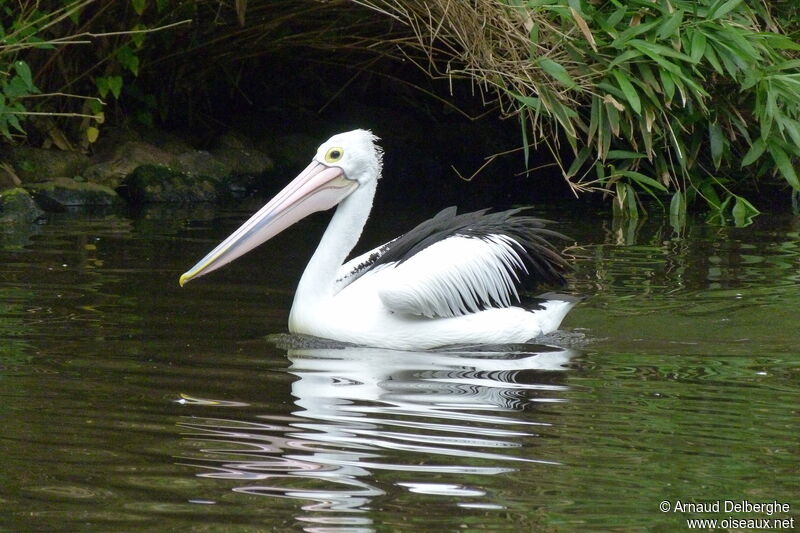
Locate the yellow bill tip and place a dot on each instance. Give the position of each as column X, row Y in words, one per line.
column 184, row 278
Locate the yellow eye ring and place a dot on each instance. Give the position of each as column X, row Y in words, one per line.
column 334, row 154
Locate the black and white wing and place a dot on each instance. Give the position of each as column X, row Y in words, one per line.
column 454, row 264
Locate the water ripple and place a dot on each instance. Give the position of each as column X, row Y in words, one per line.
column 425, row 417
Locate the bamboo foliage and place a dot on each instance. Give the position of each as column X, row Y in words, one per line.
column 653, row 96
column 676, row 99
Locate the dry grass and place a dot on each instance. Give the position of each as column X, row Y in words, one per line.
column 486, row 43
column 500, row 49
column 659, row 97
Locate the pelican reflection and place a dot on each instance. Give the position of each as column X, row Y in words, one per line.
column 370, row 421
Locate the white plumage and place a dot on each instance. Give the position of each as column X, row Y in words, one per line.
column 452, row 279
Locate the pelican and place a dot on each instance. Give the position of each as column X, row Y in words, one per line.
column 453, row 279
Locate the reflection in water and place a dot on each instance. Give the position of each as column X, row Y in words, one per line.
column 690, row 390
column 370, row 421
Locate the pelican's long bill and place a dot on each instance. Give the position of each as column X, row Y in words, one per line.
column 317, row 188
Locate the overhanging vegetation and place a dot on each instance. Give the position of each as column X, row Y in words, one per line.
column 689, row 102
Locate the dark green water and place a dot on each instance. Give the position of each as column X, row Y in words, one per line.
column 129, row 404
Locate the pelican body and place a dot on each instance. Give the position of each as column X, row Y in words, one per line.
column 456, row 278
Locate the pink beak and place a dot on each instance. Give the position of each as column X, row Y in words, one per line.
column 317, row 188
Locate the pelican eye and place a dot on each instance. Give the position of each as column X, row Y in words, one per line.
column 334, row 155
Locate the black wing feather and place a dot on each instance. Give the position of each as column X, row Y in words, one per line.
column 544, row 263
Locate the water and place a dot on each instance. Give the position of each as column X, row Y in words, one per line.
column 129, row 404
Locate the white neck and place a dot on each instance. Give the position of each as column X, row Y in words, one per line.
column 344, row 230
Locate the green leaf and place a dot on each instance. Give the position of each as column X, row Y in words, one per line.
column 668, row 84
column 658, row 50
column 611, row 89
column 24, row 72
column 791, row 127
column 138, row 38
column 565, row 116
column 679, row 150
column 677, row 206
column 744, row 207
column 711, row 56
column 665, row 64
column 615, row 17
column 75, row 16
column 533, row 37
column 128, row 59
column 669, row 28
column 716, row 143
column 723, row 9
column 647, row 132
column 755, row 151
column 604, row 135
column 623, row 58
column 557, row 71
column 743, row 212
column 632, row 32
column 739, row 41
column 751, row 78
column 624, row 154
column 711, row 196
column 646, row 74
column 698, row 46
column 629, row 91
column 781, row 42
column 13, row 121
column 613, row 119
column 790, row 64
column 717, row 215
column 640, row 178
column 95, row 105
column 594, row 118
column 578, row 162
column 523, row 122
column 633, row 210
column 102, row 86
column 625, row 204
column 138, row 6
column 528, row 101
column 725, row 202
column 730, row 61
column 115, row 85
column 784, row 164
column 600, row 171
column 769, row 112
column 15, row 88
column 576, row 5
